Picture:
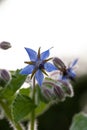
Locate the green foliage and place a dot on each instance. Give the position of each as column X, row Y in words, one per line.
column 42, row 105
column 25, row 91
column 19, row 100
column 21, row 106
column 16, row 82
column 79, row 122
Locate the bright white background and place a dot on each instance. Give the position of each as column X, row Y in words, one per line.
column 61, row 24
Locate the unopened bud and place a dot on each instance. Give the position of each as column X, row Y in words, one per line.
column 47, row 93
column 67, row 87
column 5, row 45
column 58, row 63
column 5, row 75
column 59, row 93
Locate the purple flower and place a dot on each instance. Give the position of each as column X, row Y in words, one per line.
column 38, row 64
column 70, row 72
column 65, row 72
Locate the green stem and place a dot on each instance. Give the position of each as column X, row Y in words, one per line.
column 33, row 111
column 8, row 115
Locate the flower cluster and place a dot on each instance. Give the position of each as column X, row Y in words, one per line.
column 39, row 64
column 53, row 90
column 20, row 104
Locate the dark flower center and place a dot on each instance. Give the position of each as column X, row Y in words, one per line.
column 39, row 64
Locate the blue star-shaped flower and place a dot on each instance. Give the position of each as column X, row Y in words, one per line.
column 65, row 72
column 70, row 73
column 38, row 64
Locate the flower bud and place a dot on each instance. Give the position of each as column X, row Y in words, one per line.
column 59, row 93
column 67, row 87
column 5, row 45
column 58, row 63
column 5, row 75
column 47, row 93
column 56, row 89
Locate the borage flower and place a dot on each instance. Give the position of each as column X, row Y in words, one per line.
column 65, row 72
column 38, row 64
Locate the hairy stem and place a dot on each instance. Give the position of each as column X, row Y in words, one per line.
column 7, row 111
column 33, row 111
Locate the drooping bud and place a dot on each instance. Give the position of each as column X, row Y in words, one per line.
column 58, row 63
column 5, row 75
column 47, row 93
column 58, row 91
column 5, row 45
column 67, row 87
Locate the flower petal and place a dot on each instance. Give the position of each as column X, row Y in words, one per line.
column 32, row 54
column 73, row 63
column 39, row 77
column 72, row 73
column 45, row 54
column 27, row 70
column 49, row 67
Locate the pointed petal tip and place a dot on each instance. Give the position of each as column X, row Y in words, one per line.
column 25, row 48
column 32, row 54
column 21, row 72
column 74, row 62
column 27, row 70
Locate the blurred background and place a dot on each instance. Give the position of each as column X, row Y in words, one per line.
column 45, row 24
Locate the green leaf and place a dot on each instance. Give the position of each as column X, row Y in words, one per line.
column 41, row 108
column 21, row 107
column 79, row 122
column 16, row 82
column 25, row 91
